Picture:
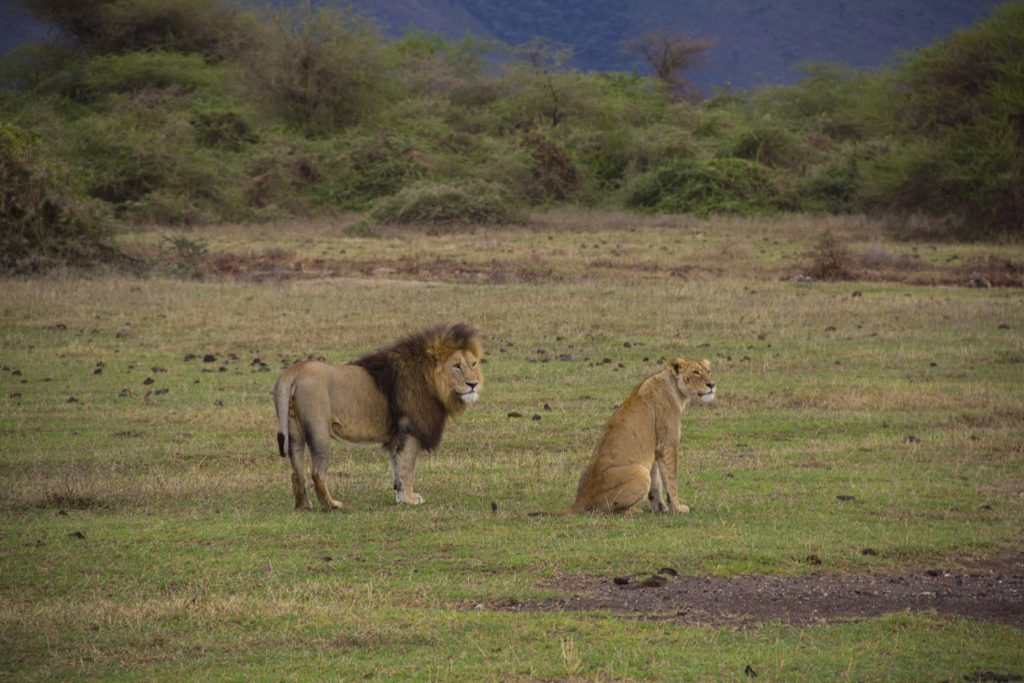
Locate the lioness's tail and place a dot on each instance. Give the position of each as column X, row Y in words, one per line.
column 282, row 401
column 556, row 513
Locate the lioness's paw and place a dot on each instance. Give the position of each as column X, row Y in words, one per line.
column 408, row 499
column 680, row 508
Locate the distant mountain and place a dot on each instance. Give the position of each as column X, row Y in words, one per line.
column 759, row 41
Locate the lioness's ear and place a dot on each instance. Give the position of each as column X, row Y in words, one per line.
column 706, row 364
column 677, row 365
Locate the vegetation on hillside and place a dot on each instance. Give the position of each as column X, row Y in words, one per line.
column 194, row 112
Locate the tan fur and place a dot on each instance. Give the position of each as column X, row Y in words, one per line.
column 637, row 455
column 400, row 396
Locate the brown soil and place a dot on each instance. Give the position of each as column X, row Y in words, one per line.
column 989, row 591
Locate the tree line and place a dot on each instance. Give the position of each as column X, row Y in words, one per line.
column 197, row 111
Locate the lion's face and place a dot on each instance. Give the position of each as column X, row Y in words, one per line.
column 460, row 377
column 694, row 379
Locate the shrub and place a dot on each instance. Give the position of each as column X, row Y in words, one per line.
column 770, row 145
column 555, row 176
column 726, row 185
column 830, row 259
column 319, row 72
column 959, row 123
column 44, row 222
column 466, row 203
column 102, row 26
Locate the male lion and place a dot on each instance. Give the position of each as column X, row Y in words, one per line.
column 638, row 452
column 400, row 396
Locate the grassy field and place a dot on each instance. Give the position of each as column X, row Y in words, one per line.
column 146, row 522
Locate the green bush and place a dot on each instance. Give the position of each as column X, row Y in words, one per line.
column 718, row 186
column 45, row 223
column 101, row 26
column 770, row 145
column 430, row 203
column 318, row 72
column 959, row 131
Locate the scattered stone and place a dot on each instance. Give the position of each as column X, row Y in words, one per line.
column 870, row 552
column 15, row 395
column 856, row 294
column 157, row 368
column 1004, row 326
column 148, row 381
column 845, row 498
column 830, row 328
column 749, row 671
column 535, row 418
column 189, row 356
column 668, row 571
column 76, row 534
column 621, row 580
column 547, row 406
column 161, row 391
column 97, row 371
column 911, row 439
column 326, row 558
column 16, row 373
column 124, row 393
column 566, row 357
column 209, row 358
column 814, row 560
column 494, row 507
column 72, row 399
column 515, row 413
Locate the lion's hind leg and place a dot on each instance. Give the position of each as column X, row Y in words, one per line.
column 320, row 450
column 616, row 489
column 296, row 455
column 656, row 495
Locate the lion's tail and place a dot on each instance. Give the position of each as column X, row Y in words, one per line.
column 282, row 401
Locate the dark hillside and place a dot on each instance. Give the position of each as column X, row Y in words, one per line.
column 759, row 41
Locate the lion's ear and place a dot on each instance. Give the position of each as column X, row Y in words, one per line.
column 677, row 365
column 706, row 364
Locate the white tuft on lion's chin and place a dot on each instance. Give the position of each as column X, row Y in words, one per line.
column 708, row 397
column 469, row 397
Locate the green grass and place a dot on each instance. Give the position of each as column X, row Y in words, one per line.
column 193, row 564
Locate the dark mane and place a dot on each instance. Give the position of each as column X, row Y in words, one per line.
column 399, row 373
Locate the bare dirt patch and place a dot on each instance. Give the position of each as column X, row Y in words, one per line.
column 989, row 591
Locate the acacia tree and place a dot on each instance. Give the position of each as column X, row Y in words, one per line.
column 671, row 56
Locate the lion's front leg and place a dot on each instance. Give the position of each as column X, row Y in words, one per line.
column 667, row 460
column 403, row 468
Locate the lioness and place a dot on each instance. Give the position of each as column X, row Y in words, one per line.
column 400, row 396
column 638, row 452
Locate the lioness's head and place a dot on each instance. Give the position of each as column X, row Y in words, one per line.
column 693, row 377
column 458, row 377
